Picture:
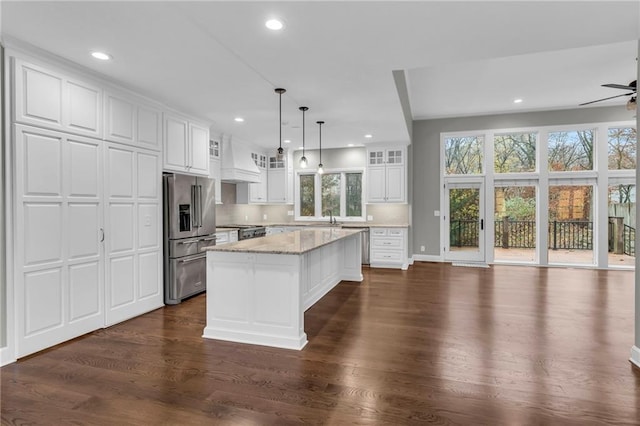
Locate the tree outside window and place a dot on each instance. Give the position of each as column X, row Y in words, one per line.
column 463, row 156
column 307, row 196
column 571, row 150
column 622, row 148
column 515, row 152
column 337, row 194
column 331, row 194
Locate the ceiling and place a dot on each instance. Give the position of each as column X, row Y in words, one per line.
column 217, row 60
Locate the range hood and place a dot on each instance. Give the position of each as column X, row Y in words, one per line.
column 237, row 164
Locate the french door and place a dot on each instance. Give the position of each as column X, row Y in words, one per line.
column 464, row 221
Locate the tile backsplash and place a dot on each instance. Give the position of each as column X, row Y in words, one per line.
column 231, row 213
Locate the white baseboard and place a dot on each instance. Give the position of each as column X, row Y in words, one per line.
column 426, row 258
column 635, row 356
column 6, row 356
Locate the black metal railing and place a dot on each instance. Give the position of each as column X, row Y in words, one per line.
column 570, row 235
column 629, row 239
column 515, row 233
column 575, row 235
column 464, row 233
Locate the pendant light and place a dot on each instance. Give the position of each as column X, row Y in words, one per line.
column 280, row 91
column 303, row 159
column 320, row 169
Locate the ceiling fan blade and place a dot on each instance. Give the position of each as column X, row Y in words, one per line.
column 604, row 99
column 619, row 86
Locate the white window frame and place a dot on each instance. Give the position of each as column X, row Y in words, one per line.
column 318, row 196
column 600, row 178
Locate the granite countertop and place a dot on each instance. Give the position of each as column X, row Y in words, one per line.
column 341, row 224
column 296, row 242
column 226, row 229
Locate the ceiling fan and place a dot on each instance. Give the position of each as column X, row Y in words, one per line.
column 631, row 104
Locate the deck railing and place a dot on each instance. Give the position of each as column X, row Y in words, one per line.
column 569, row 235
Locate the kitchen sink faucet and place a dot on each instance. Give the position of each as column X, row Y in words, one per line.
column 332, row 220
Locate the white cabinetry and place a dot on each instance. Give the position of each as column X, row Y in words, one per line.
column 215, row 171
column 280, row 179
column 254, row 193
column 388, row 248
column 133, row 231
column 87, row 213
column 272, row 230
column 131, row 121
column 186, row 145
column 387, row 175
column 49, row 99
column 226, row 237
column 58, row 255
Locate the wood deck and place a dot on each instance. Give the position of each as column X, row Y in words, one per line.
column 508, row 345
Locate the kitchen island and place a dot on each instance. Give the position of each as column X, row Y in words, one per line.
column 259, row 289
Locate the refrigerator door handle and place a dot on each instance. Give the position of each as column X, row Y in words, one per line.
column 199, row 206
column 194, row 207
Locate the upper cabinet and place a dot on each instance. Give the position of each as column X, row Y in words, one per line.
column 254, row 193
column 131, row 121
column 215, row 172
column 280, row 178
column 49, row 99
column 186, row 145
column 387, row 175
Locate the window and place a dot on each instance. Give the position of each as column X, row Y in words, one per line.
column 571, row 150
column 515, row 152
column 307, row 195
column 464, row 155
column 337, row 194
column 622, row 148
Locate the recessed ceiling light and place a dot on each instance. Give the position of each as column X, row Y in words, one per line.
column 517, row 101
column 274, row 24
column 101, row 55
column 368, row 136
column 239, row 119
column 287, row 141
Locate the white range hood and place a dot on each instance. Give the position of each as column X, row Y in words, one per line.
column 237, row 164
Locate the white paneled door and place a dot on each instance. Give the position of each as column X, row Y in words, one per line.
column 133, row 241
column 59, row 259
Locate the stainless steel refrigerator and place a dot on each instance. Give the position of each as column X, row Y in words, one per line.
column 189, row 226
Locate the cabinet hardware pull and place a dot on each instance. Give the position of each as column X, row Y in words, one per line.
column 101, row 235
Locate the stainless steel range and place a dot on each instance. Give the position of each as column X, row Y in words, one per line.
column 246, row 232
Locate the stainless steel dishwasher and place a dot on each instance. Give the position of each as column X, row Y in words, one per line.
column 364, row 236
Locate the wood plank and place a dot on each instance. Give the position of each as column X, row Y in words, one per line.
column 434, row 344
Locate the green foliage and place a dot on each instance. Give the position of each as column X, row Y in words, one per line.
column 519, row 208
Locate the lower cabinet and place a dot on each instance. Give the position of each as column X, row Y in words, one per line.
column 388, row 248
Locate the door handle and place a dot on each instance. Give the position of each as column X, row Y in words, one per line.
column 482, row 224
column 188, row 242
column 193, row 259
column 101, row 235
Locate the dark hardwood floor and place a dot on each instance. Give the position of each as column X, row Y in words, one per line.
column 436, row 344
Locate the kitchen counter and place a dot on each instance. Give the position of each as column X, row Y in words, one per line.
column 259, row 289
column 338, row 225
column 296, row 242
column 226, row 229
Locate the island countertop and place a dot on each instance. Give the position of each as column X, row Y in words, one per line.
column 296, row 242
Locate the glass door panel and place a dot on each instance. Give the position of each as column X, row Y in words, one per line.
column 571, row 225
column 465, row 222
column 515, row 223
